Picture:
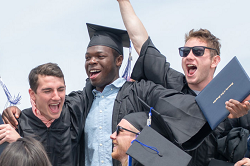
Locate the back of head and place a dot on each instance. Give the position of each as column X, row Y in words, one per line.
column 24, row 152
column 206, row 36
column 47, row 69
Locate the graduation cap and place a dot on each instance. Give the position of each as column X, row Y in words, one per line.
column 158, row 122
column 151, row 148
column 137, row 119
column 113, row 38
column 110, row 37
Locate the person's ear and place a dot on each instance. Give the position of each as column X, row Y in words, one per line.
column 119, row 60
column 215, row 61
column 32, row 94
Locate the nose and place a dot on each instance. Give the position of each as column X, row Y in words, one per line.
column 92, row 61
column 56, row 96
column 113, row 136
column 190, row 55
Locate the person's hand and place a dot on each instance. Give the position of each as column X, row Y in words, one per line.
column 8, row 115
column 8, row 134
column 236, row 108
column 244, row 161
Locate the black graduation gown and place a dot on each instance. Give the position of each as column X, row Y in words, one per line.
column 62, row 138
column 185, row 119
column 152, row 65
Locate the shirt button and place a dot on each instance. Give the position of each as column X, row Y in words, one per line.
column 102, row 96
column 100, row 144
column 100, row 111
column 102, row 161
column 111, row 89
column 100, row 127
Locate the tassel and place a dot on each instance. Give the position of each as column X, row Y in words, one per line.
column 126, row 73
column 12, row 100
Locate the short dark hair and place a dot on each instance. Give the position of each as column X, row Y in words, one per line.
column 24, row 152
column 47, row 69
column 205, row 35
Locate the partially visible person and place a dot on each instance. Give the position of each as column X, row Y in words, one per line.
column 126, row 131
column 24, row 152
column 54, row 119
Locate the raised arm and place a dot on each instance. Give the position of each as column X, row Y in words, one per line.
column 134, row 26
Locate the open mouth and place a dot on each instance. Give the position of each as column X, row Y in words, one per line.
column 115, row 146
column 191, row 69
column 54, row 107
column 94, row 73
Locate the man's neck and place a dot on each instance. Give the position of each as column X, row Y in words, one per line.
column 100, row 89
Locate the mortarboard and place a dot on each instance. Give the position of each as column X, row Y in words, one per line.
column 137, row 119
column 110, row 37
column 113, row 38
column 158, row 122
column 151, row 148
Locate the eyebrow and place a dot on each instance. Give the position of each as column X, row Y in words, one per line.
column 97, row 52
column 51, row 88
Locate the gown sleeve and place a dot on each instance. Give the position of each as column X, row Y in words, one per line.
column 152, row 65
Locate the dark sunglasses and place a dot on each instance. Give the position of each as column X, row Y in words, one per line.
column 197, row 50
column 118, row 128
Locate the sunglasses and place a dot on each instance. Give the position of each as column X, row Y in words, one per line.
column 197, row 50
column 119, row 128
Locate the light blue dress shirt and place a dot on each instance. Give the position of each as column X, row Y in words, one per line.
column 98, row 126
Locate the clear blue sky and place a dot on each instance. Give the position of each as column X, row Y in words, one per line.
column 36, row 32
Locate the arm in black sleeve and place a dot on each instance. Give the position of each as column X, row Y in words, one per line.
column 151, row 65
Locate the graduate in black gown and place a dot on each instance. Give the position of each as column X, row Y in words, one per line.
column 152, row 65
column 54, row 120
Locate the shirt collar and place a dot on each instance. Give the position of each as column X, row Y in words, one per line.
column 118, row 83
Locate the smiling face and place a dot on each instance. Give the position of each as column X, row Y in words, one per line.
column 101, row 66
column 122, row 142
column 199, row 71
column 49, row 96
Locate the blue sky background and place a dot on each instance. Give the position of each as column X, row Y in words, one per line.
column 41, row 31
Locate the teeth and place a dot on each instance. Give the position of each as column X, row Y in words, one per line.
column 92, row 71
column 54, row 104
column 190, row 65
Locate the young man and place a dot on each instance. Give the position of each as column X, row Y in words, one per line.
column 110, row 97
column 200, row 57
column 125, row 133
column 54, row 120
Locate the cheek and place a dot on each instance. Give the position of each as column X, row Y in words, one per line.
column 86, row 67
